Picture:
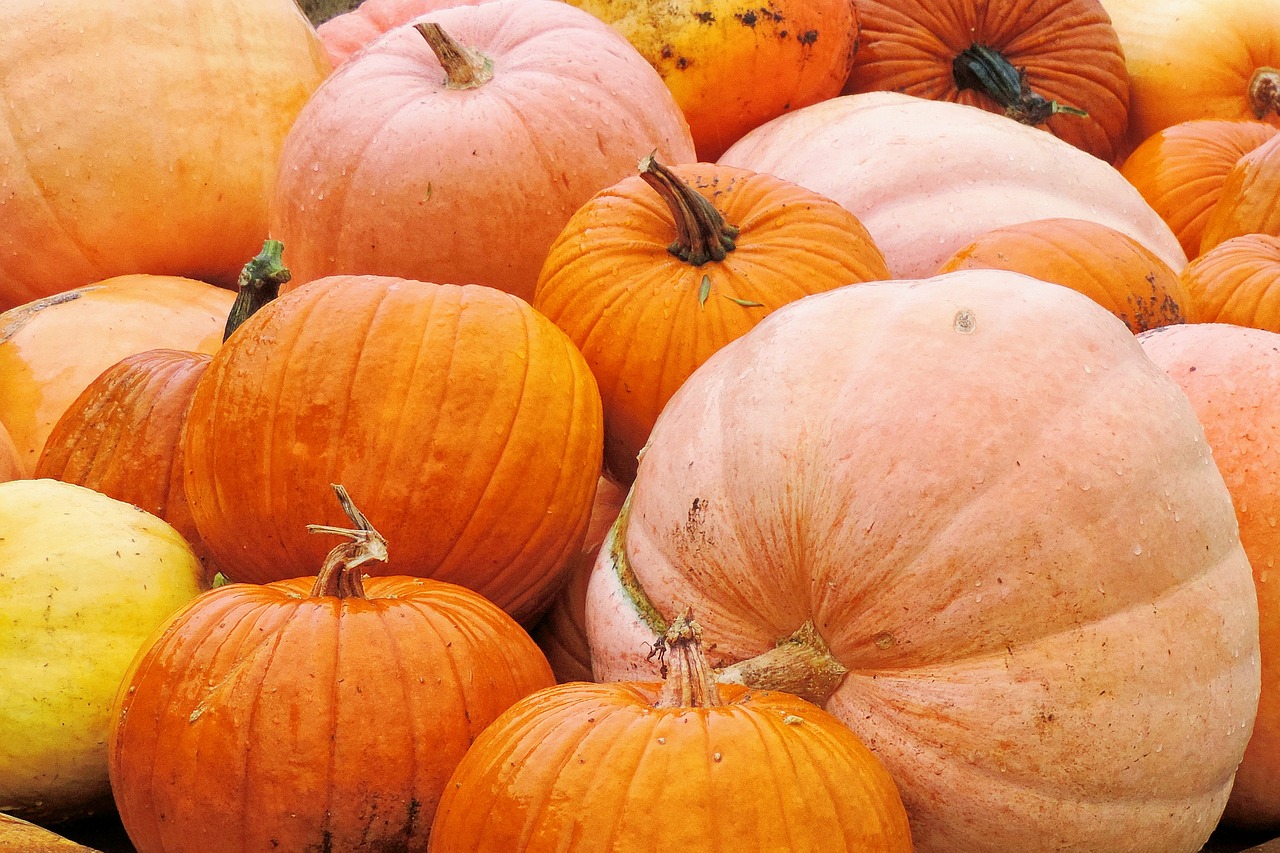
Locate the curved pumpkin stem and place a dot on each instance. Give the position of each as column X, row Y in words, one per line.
column 801, row 664
column 1264, row 92
column 689, row 682
column 702, row 235
column 340, row 574
column 986, row 70
column 258, row 284
column 464, row 68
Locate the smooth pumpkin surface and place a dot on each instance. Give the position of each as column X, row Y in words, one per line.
column 1181, row 169
column 927, row 177
column 1026, row 59
column 646, row 311
column 734, row 65
column 1230, row 374
column 464, row 423
column 10, row 461
column 1238, row 282
column 1250, row 199
column 394, row 169
column 1111, row 268
column 343, row 35
column 53, row 348
column 1042, row 622
column 147, row 140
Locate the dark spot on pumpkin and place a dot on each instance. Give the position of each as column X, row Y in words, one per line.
column 683, row 63
column 705, row 17
column 748, row 19
column 808, row 37
column 667, row 51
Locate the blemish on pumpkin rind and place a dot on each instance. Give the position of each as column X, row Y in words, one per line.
column 16, row 318
column 965, row 321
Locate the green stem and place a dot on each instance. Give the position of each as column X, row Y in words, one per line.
column 259, row 283
column 702, row 235
column 986, row 70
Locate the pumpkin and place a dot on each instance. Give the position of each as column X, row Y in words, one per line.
column 733, row 66
column 468, row 422
column 1055, row 64
column 84, row 580
column 646, row 311
column 969, row 517
column 927, row 177
column 1248, row 202
column 51, row 349
column 1230, row 374
column 643, row 767
column 311, row 713
column 10, row 461
column 463, row 169
column 1180, row 170
column 1234, row 282
column 147, row 141
column 16, row 834
column 1193, row 59
column 344, row 34
column 1109, row 267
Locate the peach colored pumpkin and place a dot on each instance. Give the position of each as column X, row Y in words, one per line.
column 51, row 349
column 142, row 136
column 1230, row 374
column 926, row 177
column 397, row 167
column 343, row 35
column 984, row 529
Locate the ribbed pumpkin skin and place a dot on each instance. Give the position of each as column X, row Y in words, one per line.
column 1237, row 282
column 640, row 315
column 343, row 35
column 310, row 723
column 388, row 171
column 1111, row 268
column 1230, row 375
column 582, row 768
column 1069, row 49
column 1250, row 199
column 466, row 426
column 122, row 436
column 53, row 348
column 1180, row 170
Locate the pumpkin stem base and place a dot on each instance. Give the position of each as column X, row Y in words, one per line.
column 1264, row 92
column 801, row 664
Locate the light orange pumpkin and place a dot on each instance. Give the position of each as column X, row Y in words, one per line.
column 970, row 517
column 1180, row 170
column 1111, row 268
column 1055, row 64
column 1250, row 199
column 927, row 177
column 1237, row 282
column 343, row 35
column 10, row 461
column 53, row 348
column 142, row 136
column 1230, row 374
column 654, row 274
column 464, row 170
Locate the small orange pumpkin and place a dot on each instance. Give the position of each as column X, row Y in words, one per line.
column 10, row 463
column 1235, row 282
column 1250, row 199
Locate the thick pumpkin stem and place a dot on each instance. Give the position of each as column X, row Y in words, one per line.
column 689, row 683
column 340, row 575
column 801, row 664
column 1264, row 92
column 702, row 235
column 464, row 68
column 986, row 70
column 258, row 284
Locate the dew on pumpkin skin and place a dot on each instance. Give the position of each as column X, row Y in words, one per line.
column 1137, row 550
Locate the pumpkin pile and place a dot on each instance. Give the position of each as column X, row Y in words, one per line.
column 528, row 425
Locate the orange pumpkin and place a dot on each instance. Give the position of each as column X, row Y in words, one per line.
column 1055, row 64
column 1235, row 282
column 637, row 767
column 343, row 35
column 646, row 311
column 142, row 136
column 468, row 421
column 970, row 517
column 733, row 66
column 308, row 714
column 1180, row 170
column 10, row 462
column 1111, row 268
column 1250, row 199
column 1230, row 374
column 456, row 150
column 53, row 348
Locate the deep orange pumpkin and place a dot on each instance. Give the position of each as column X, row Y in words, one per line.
column 313, row 713
column 659, row 271
column 1050, row 63
column 1180, row 170
column 1109, row 267
column 682, row 765
column 1250, row 199
column 1237, row 282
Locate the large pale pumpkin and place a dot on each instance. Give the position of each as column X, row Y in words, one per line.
column 142, row 136
column 973, row 518
column 926, row 177
column 458, row 160
column 1230, row 374
column 458, row 416
column 1235, row 282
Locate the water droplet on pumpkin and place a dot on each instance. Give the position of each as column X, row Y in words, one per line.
column 1137, row 550
column 884, row 640
column 1159, row 747
column 1088, row 369
column 1084, row 487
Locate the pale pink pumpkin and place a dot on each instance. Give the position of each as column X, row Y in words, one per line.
column 343, row 35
